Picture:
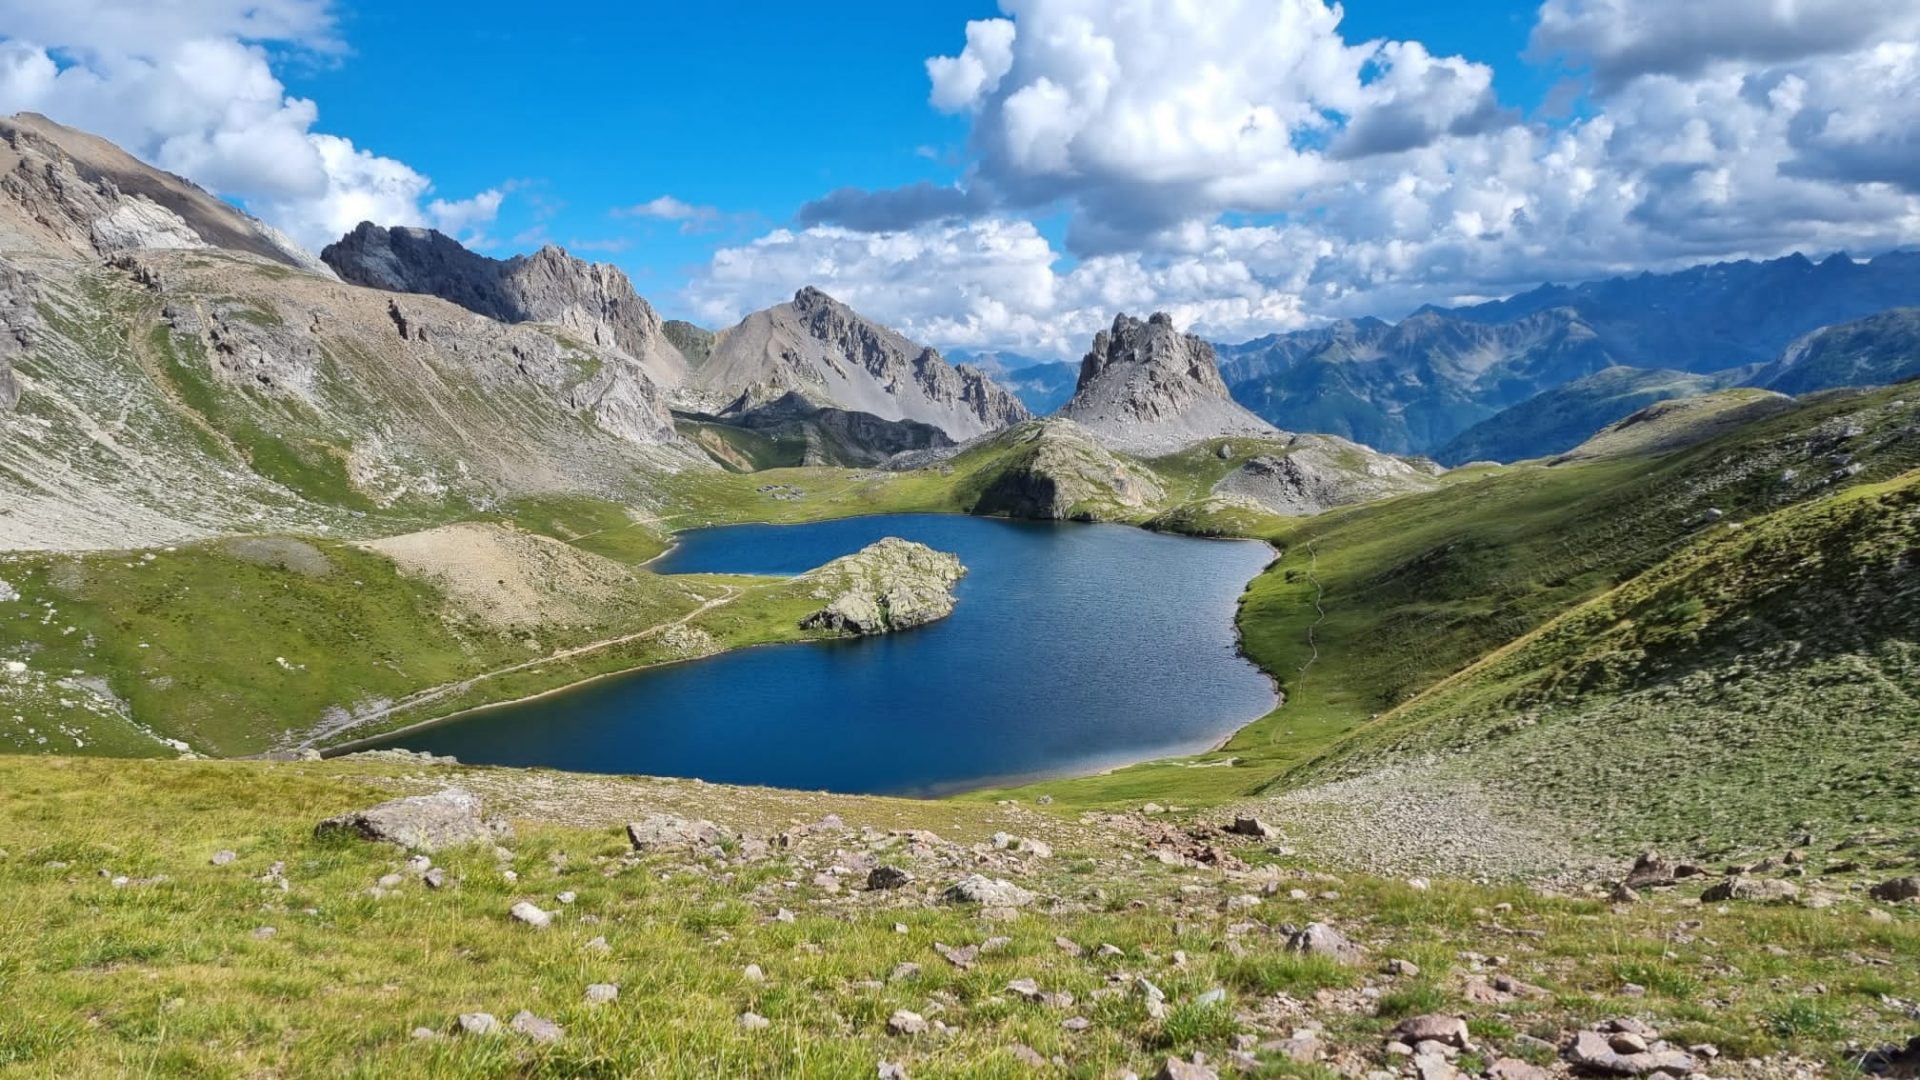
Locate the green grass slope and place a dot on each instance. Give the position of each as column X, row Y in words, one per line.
column 1765, row 677
column 128, row 951
column 1370, row 606
column 1565, row 416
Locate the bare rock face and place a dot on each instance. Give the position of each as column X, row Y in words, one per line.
column 1315, row 473
column 1145, row 388
column 823, row 349
column 76, row 193
column 421, row 822
column 17, row 323
column 890, row 585
column 1059, row 472
column 594, row 300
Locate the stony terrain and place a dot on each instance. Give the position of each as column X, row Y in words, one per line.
column 1145, row 388
column 508, row 923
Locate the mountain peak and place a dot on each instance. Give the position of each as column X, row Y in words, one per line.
column 1147, row 388
column 593, row 299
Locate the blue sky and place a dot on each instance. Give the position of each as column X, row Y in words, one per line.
column 1009, row 174
column 750, row 108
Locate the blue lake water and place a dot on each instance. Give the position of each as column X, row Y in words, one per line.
column 1073, row 648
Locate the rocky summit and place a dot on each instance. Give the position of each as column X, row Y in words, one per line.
column 823, row 349
column 1145, row 388
column 594, row 300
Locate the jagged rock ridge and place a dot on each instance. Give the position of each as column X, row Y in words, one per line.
column 1146, row 388
column 825, row 350
column 593, row 299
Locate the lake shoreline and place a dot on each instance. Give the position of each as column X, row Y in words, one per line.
column 1096, row 766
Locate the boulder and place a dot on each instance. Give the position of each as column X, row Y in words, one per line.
column 1246, row 825
column 888, row 877
column 987, row 892
column 1897, row 890
column 1651, row 870
column 444, row 819
column 1319, row 939
column 537, row 1028
column 1762, row 890
column 658, row 832
column 1435, row 1027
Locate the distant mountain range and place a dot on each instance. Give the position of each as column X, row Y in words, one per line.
column 1419, row 385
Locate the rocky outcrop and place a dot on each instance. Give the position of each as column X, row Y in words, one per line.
column 17, row 324
column 826, row 351
column 1056, row 471
column 444, row 819
column 594, row 300
column 889, row 585
column 79, row 194
column 1311, row 474
column 1148, row 389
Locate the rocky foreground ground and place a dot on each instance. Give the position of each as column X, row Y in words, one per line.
column 295, row 919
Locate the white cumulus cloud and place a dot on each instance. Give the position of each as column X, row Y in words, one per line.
column 189, row 86
column 1244, row 165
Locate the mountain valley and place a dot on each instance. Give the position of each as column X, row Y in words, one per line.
column 1589, row 617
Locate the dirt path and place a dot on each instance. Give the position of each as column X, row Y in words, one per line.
column 1319, row 607
column 327, row 730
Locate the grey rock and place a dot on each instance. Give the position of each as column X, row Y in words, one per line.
column 906, row 1022
column 602, row 994
column 1248, row 825
column 1435, row 1027
column 434, row 822
column 530, row 915
column 476, row 1023
column 222, row 858
column 1897, row 890
column 537, row 1028
column 1319, row 939
column 1591, row 1051
column 658, row 832
column 987, row 892
column 753, row 1021
column 1761, row 890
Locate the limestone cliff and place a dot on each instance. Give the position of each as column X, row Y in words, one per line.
column 1145, row 388
column 892, row 584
